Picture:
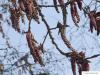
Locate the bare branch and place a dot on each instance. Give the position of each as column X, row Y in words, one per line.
column 94, row 56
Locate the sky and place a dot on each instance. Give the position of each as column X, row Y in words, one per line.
column 81, row 39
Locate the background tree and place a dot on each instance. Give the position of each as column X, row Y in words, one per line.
column 41, row 37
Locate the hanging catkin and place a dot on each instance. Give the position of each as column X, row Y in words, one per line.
column 34, row 50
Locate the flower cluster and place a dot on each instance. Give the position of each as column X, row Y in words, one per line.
column 94, row 21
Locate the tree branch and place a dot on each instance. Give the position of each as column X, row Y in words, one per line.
column 49, row 32
column 94, row 56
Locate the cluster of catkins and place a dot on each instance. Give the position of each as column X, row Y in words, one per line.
column 30, row 9
column 94, row 21
column 78, row 59
column 34, row 49
column 27, row 7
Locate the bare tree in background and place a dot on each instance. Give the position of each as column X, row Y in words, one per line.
column 42, row 37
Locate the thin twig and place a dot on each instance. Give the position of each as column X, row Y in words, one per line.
column 94, row 56
column 45, row 38
column 49, row 32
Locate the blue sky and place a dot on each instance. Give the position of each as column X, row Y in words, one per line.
column 80, row 38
